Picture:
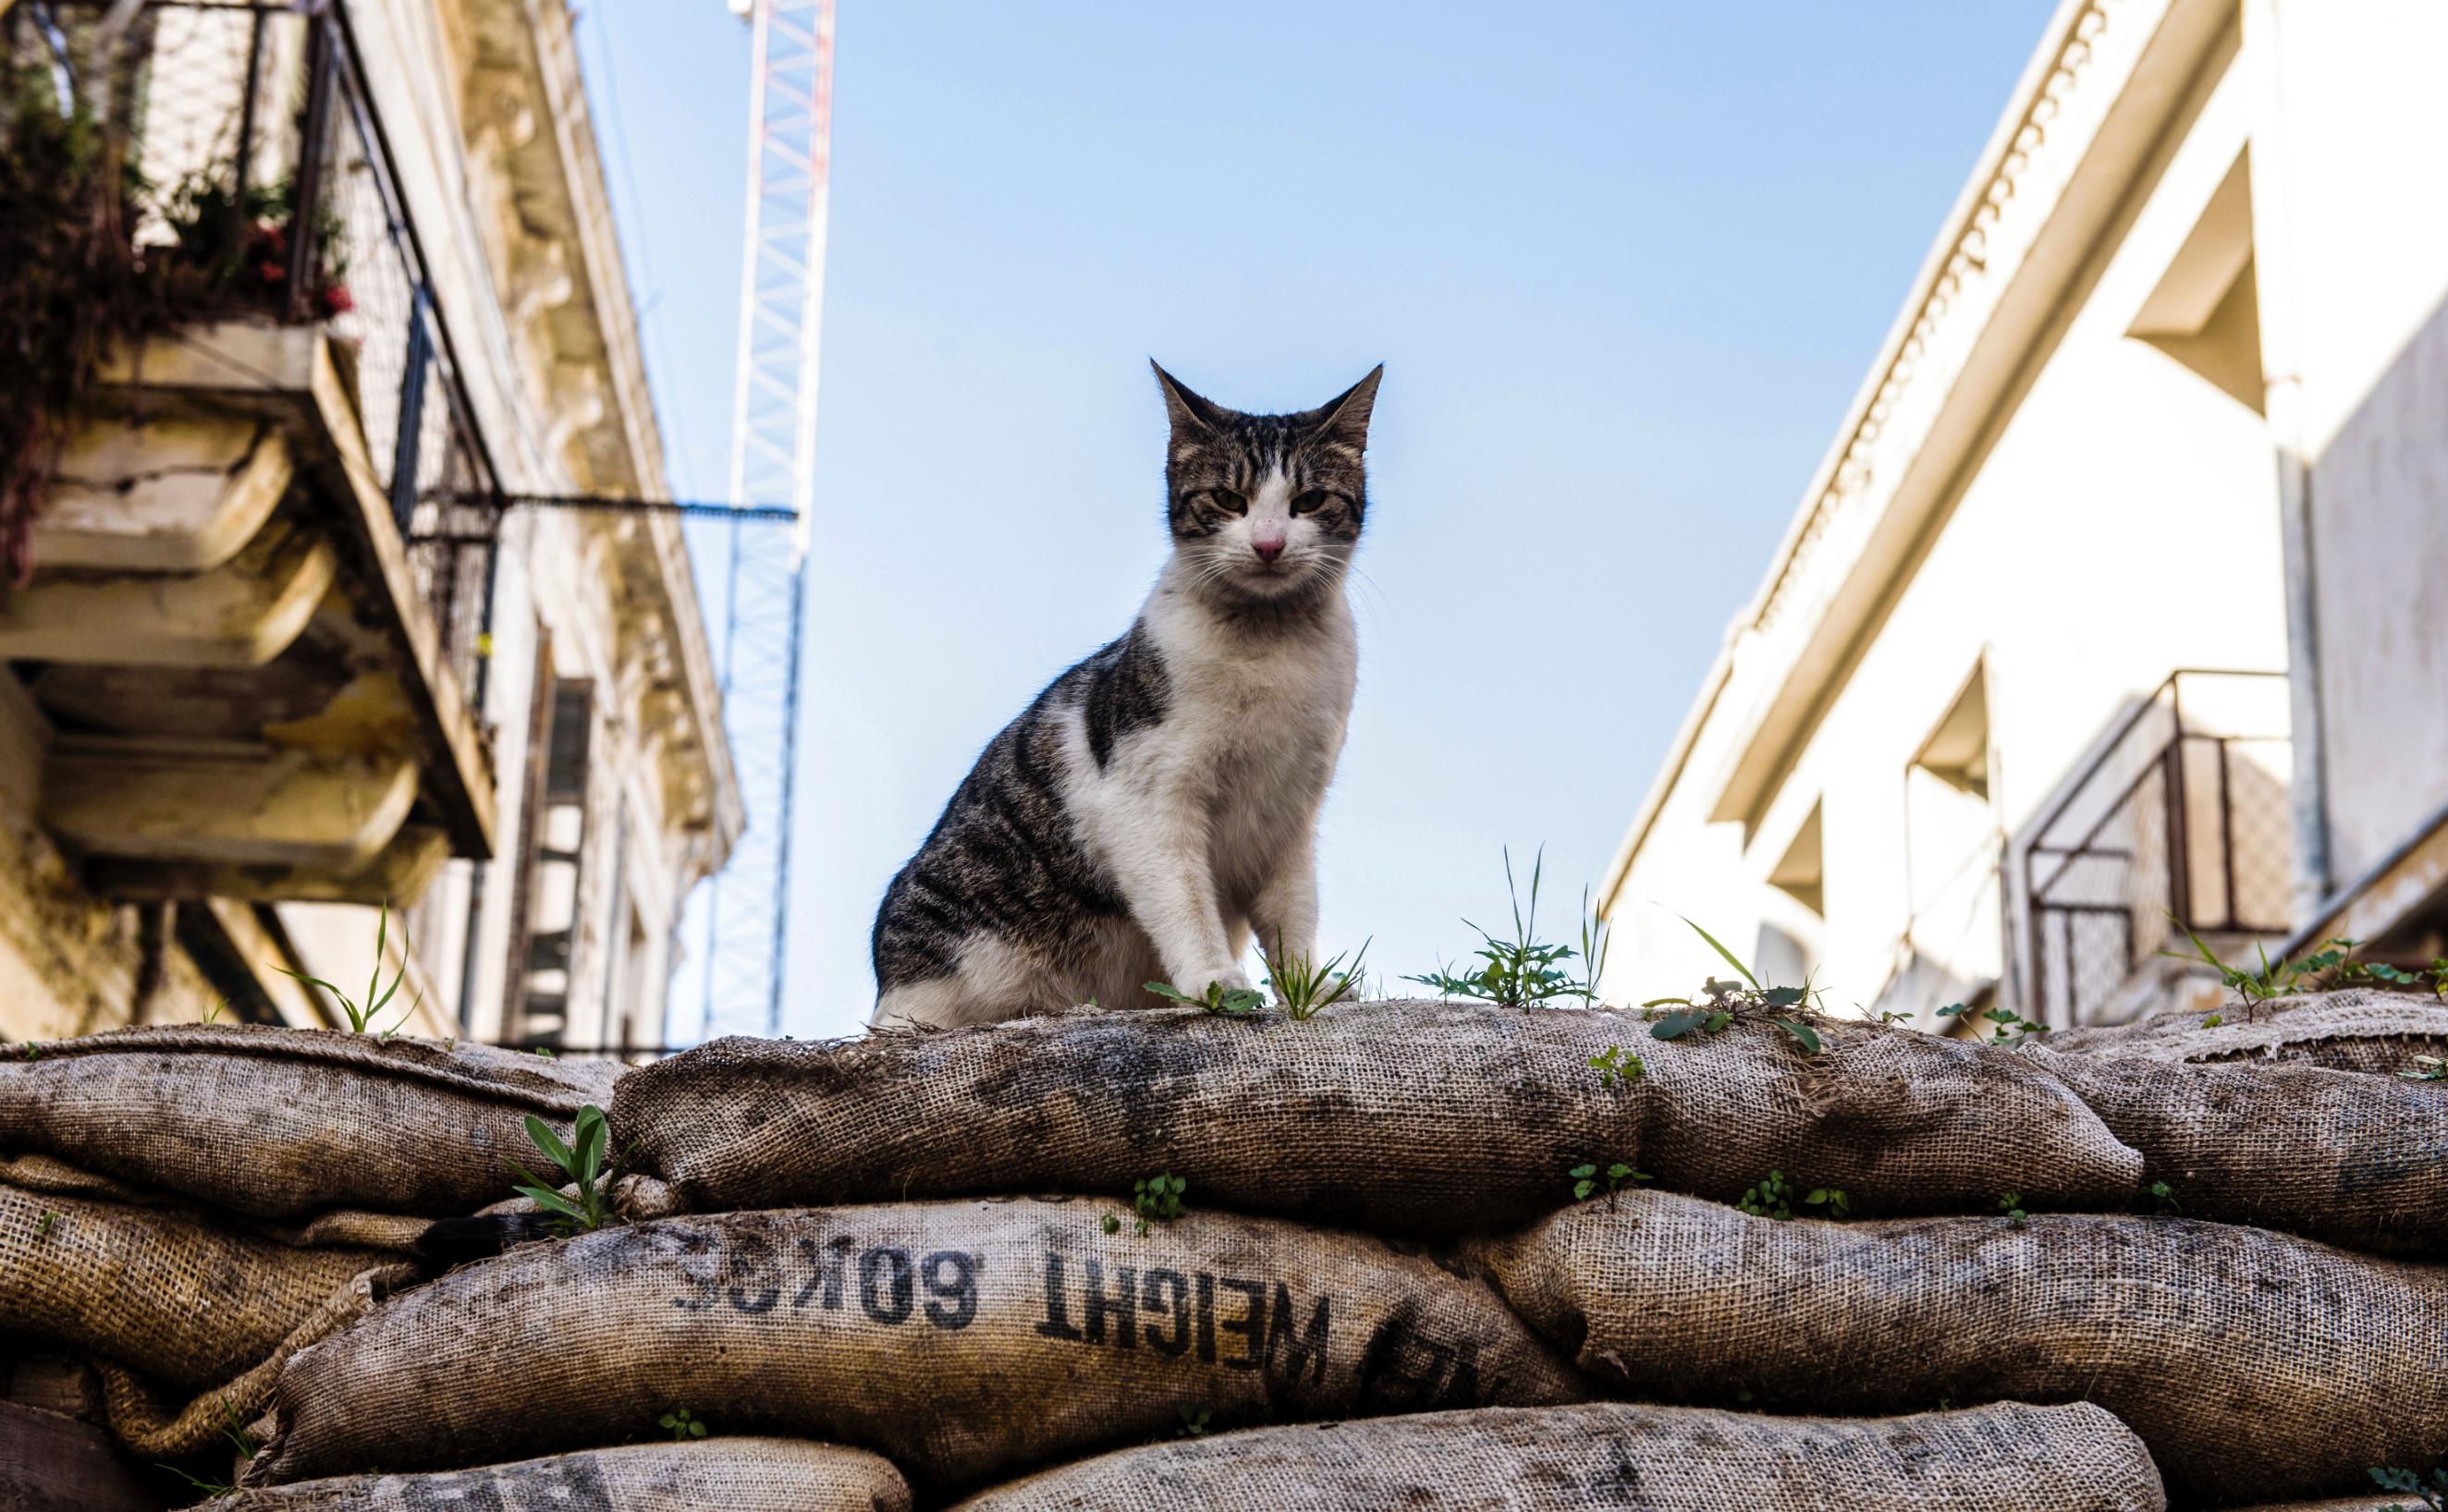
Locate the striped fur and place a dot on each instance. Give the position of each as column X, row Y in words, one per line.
column 1155, row 808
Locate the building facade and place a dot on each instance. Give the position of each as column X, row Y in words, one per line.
column 2117, row 607
column 297, row 688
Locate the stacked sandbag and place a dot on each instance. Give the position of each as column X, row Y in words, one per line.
column 2358, row 1159
column 165, row 1297
column 291, row 1124
column 2010, row 1458
column 185, row 1206
column 2253, row 1364
column 732, row 1474
column 2353, row 1030
column 964, row 1339
column 1422, row 1116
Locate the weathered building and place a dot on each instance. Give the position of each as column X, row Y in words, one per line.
column 287, row 657
column 2118, row 603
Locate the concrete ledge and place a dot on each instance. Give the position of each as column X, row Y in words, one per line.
column 241, row 614
column 225, row 803
column 168, row 496
column 397, row 876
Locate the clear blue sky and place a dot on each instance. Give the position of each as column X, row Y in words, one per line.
column 1625, row 265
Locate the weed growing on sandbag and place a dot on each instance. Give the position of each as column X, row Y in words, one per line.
column 1586, row 1179
column 1194, row 1423
column 2162, row 1197
column 681, row 1427
column 2010, row 1204
column 2011, row 1025
column 361, row 1017
column 1774, row 1198
column 1524, row 971
column 1301, row 988
column 43, row 1224
column 583, row 1164
column 1236, row 1002
column 1719, row 1002
column 2427, row 1069
column 1615, row 1068
column 2432, row 1492
column 1158, row 1199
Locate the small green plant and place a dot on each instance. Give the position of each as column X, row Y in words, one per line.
column 1193, row 1422
column 1521, row 971
column 1303, row 989
column 1158, row 1199
column 2430, row 1492
column 219, row 1006
column 581, row 1161
column 1890, row 1015
column 2009, row 1025
column 2427, row 1069
column 33, row 1051
column 361, row 1016
column 1615, row 1069
column 1588, row 1181
column 2162, row 1197
column 2010, row 1204
column 1228, row 1002
column 201, row 1486
column 1771, row 1197
column 44, row 1224
column 2331, row 964
column 1111, row 1224
column 545, row 1052
column 2214, row 1021
column 1719, row 1003
column 681, row 1427
column 1832, row 1198
column 233, row 1428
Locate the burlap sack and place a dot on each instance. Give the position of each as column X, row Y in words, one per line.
column 962, row 1339
column 2357, row 1030
column 2358, row 1159
column 1672, row 1460
column 1436, row 1117
column 2399, row 1502
column 2010, row 1458
column 2253, row 1364
column 203, row 1310
column 729, row 1474
column 285, row 1123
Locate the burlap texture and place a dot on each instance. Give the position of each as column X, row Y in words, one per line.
column 730, row 1474
column 154, row 1429
column 2398, row 1502
column 2010, row 1458
column 1436, row 1117
column 2255, row 1365
column 285, row 1123
column 167, row 1294
column 962, row 1339
column 2355, row 1029
column 2358, row 1159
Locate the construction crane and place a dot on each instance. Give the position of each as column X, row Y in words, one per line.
column 772, row 458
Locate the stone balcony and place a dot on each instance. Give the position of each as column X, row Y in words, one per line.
column 246, row 691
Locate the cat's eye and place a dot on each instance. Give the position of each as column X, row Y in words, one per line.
column 1310, row 503
column 1226, row 499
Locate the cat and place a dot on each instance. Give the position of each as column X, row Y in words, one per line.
column 1156, row 806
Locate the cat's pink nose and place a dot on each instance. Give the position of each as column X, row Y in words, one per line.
column 1268, row 547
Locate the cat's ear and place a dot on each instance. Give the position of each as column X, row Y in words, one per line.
column 1188, row 412
column 1345, row 418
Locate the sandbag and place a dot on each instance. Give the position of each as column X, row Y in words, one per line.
column 2354, row 1030
column 2253, row 1364
column 2010, row 1458
column 283, row 1123
column 732, row 1474
column 2360, row 1161
column 199, row 1310
column 1434, row 1117
column 962, row 1339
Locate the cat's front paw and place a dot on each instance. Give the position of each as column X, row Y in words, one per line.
column 1229, row 980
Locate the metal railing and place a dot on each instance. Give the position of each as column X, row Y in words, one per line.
column 2179, row 822
column 255, row 140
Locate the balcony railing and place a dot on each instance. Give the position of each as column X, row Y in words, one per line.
column 256, row 142
column 2179, row 822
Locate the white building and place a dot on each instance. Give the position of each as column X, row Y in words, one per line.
column 2171, row 393
column 286, row 657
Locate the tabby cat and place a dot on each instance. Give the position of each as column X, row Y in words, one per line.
column 1156, row 806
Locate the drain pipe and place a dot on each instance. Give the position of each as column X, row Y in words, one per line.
column 2282, row 358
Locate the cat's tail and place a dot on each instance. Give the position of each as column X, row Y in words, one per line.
column 459, row 1240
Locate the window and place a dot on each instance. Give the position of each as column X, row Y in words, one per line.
column 553, row 860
